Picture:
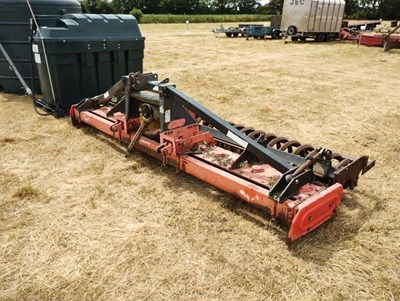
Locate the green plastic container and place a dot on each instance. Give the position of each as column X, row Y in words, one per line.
column 87, row 54
column 15, row 37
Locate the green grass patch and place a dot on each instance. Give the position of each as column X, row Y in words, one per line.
column 147, row 19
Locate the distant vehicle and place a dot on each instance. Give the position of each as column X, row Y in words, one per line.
column 253, row 30
column 233, row 31
column 317, row 19
column 260, row 32
column 363, row 25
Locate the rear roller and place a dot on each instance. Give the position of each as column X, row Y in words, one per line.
column 284, row 144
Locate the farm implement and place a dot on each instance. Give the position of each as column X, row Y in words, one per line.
column 297, row 184
column 388, row 38
column 388, row 41
column 233, row 31
column 248, row 30
column 260, row 32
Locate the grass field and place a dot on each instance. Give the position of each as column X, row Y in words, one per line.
column 79, row 221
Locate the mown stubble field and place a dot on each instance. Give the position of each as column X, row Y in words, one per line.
column 79, row 221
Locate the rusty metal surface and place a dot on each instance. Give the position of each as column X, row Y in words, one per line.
column 299, row 199
column 248, row 183
column 348, row 168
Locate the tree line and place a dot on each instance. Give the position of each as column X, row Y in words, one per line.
column 179, row 7
column 355, row 9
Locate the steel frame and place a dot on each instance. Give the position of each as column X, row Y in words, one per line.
column 283, row 184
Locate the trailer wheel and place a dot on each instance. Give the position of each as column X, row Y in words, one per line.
column 276, row 35
column 319, row 38
column 292, row 30
column 228, row 34
column 235, row 35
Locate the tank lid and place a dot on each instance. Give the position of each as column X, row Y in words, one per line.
column 85, row 27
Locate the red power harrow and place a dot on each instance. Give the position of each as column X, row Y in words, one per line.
column 298, row 185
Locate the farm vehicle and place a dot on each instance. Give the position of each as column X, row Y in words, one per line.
column 234, row 32
column 253, row 30
column 261, row 32
column 299, row 185
column 256, row 31
column 320, row 20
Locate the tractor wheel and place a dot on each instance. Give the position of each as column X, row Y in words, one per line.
column 228, row 34
column 294, row 39
column 292, row 30
column 235, row 35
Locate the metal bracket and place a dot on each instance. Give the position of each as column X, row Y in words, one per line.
column 244, row 156
column 12, row 66
column 283, row 189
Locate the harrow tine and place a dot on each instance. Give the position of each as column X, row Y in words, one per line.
column 267, row 138
column 278, row 141
column 289, row 146
column 304, row 150
column 286, row 145
column 247, row 130
column 256, row 135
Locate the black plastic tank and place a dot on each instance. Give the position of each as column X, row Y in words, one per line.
column 87, row 54
column 15, row 37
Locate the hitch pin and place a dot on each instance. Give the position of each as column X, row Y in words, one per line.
column 310, row 159
column 146, row 117
column 136, row 139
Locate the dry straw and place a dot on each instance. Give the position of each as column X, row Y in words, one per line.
column 79, row 221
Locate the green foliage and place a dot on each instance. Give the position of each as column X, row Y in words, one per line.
column 137, row 13
column 351, row 8
column 97, row 7
column 187, row 6
column 274, row 7
column 248, row 6
column 204, row 18
column 389, row 9
column 104, row 7
column 148, row 6
column 372, row 9
column 124, row 6
column 355, row 9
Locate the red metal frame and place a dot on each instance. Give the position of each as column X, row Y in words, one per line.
column 304, row 212
column 379, row 40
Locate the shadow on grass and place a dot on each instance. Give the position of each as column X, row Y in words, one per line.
column 340, row 232
column 313, row 42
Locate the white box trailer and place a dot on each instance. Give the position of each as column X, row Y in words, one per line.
column 318, row 19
